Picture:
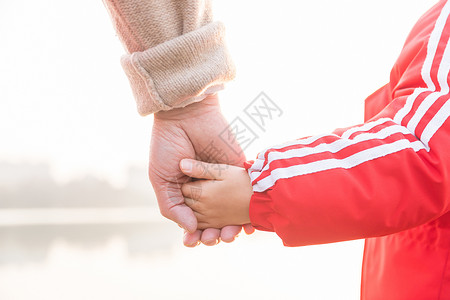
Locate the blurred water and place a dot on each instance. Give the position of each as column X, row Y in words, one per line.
column 33, row 244
column 86, row 239
column 146, row 260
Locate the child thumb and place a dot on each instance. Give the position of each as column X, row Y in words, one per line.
column 200, row 169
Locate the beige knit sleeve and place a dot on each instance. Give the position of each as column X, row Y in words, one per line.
column 175, row 55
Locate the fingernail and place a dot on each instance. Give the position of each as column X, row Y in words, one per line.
column 186, row 165
column 190, row 245
column 211, row 242
column 195, row 244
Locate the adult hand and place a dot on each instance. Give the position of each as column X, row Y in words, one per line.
column 197, row 131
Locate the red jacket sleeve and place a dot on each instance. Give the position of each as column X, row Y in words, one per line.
column 381, row 177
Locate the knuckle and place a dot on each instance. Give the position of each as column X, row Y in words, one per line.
column 189, row 202
column 195, row 192
column 204, row 170
column 185, row 189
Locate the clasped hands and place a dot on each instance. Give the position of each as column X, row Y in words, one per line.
column 220, row 196
column 179, row 140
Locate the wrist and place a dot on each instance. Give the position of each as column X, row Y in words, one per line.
column 193, row 110
column 243, row 190
column 248, row 197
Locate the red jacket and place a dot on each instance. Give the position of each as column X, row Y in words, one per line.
column 387, row 180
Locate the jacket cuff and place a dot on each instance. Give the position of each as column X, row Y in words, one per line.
column 180, row 71
column 261, row 211
column 261, row 206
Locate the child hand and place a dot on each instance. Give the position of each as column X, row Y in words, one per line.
column 222, row 199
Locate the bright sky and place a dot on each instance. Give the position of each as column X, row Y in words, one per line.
column 65, row 99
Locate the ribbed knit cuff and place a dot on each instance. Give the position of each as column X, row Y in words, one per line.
column 180, row 71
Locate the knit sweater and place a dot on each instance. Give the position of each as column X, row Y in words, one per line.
column 176, row 54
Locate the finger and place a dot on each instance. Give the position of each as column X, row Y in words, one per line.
column 191, row 203
column 171, row 205
column 192, row 190
column 248, row 228
column 210, row 236
column 184, row 216
column 203, row 170
column 229, row 233
column 202, row 222
column 192, row 239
